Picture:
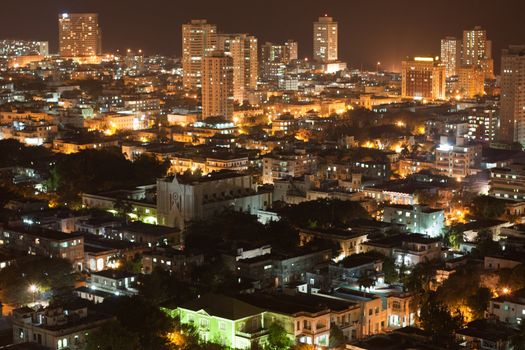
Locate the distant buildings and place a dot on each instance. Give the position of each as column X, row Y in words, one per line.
column 274, row 59
column 512, row 125
column 199, row 39
column 79, row 35
column 325, row 40
column 217, row 86
column 423, row 78
column 23, row 48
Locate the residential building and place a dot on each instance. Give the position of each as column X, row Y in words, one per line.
column 508, row 182
column 512, row 100
column 292, row 47
column 143, row 233
column 179, row 263
column 23, row 48
column 325, row 37
column 43, row 242
column 423, row 78
column 60, row 327
column 509, row 307
column 483, row 124
column 308, row 318
column 243, row 50
column 477, row 50
column 217, row 86
column 274, row 59
column 471, row 81
column 281, row 269
column 451, row 55
column 349, row 240
column 79, row 35
column 406, row 249
column 281, row 165
column 458, row 160
column 416, row 218
column 199, row 39
column 224, row 320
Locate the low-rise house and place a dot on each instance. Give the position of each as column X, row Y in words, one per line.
column 506, row 260
column 280, row 269
column 508, row 308
column 223, row 320
column 63, row 327
column 348, row 240
column 308, row 318
column 485, row 334
column 145, row 234
column 179, row 263
column 52, row 244
column 407, row 249
column 416, row 218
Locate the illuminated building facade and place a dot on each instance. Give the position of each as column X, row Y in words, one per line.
column 23, row 48
column 423, row 78
column 243, row 49
column 217, row 86
column 79, row 35
column 451, row 55
column 477, row 50
column 325, row 40
column 512, row 119
column 199, row 39
column 274, row 59
column 457, row 160
column 509, row 182
column 471, row 81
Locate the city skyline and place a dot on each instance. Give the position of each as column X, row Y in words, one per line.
column 361, row 43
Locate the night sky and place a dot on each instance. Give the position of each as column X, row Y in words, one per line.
column 369, row 30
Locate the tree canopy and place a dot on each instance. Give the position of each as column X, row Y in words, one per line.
column 102, row 170
column 486, row 207
column 322, row 212
column 48, row 275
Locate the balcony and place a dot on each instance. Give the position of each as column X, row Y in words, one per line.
column 251, row 334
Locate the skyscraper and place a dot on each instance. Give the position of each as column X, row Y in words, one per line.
column 293, row 49
column 477, row 51
column 475, row 48
column 199, row 39
column 325, row 40
column 217, row 85
column 79, row 35
column 423, row 78
column 274, row 59
column 451, row 54
column 512, row 111
column 243, row 49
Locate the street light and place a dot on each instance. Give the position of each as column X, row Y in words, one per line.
column 33, row 288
